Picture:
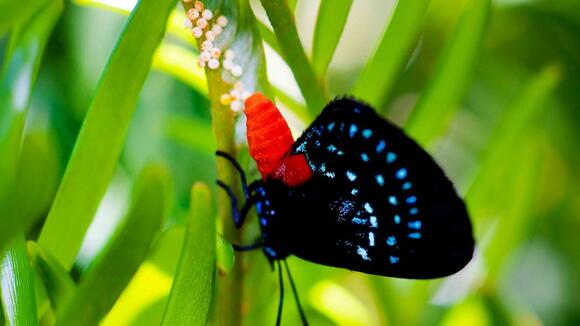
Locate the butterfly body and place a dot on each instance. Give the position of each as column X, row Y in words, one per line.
column 355, row 192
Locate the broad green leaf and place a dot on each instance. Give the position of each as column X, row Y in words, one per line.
column 27, row 39
column 35, row 185
column 443, row 95
column 102, row 134
column 377, row 79
column 332, row 15
column 114, row 268
column 282, row 20
column 193, row 286
column 58, row 283
column 17, row 285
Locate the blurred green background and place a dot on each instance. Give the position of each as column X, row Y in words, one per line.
column 492, row 89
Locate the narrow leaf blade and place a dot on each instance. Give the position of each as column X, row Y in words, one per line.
column 191, row 295
column 454, row 69
column 102, row 135
column 112, row 271
column 17, row 285
column 332, row 15
column 377, row 79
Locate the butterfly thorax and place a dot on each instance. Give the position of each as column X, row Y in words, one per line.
column 270, row 141
column 271, row 224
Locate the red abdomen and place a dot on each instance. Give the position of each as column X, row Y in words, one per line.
column 270, row 139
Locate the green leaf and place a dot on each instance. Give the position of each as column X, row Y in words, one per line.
column 102, row 135
column 515, row 136
column 13, row 12
column 17, row 285
column 282, row 21
column 58, row 283
column 34, row 188
column 114, row 268
column 27, row 40
column 225, row 255
column 332, row 15
column 192, row 290
column 447, row 87
column 377, row 79
column 513, row 125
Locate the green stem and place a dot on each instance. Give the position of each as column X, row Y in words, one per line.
column 230, row 287
column 284, row 25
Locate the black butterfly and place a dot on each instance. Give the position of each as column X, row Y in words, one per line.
column 376, row 203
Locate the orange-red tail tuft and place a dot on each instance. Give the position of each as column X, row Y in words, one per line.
column 269, row 136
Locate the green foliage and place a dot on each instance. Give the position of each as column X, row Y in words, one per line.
column 111, row 272
column 489, row 86
column 17, row 285
column 379, row 75
column 441, row 98
column 102, row 135
column 330, row 22
column 190, row 297
column 29, row 31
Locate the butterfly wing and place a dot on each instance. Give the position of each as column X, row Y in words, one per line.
column 376, row 203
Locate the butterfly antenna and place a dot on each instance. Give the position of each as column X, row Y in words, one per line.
column 279, row 317
column 302, row 314
column 238, row 168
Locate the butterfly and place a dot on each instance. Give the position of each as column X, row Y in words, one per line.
column 352, row 192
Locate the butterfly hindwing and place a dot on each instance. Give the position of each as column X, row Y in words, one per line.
column 376, row 203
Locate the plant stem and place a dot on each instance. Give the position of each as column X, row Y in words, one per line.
column 284, row 25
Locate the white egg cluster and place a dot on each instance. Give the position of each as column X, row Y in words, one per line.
column 206, row 29
column 235, row 98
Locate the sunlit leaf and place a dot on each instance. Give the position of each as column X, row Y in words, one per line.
column 191, row 295
column 332, row 15
column 377, row 79
column 338, row 304
column 17, row 285
column 114, row 268
column 282, row 20
column 149, row 286
column 102, row 135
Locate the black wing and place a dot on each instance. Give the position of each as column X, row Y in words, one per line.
column 377, row 202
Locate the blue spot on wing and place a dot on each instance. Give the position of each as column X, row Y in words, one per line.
column 401, row 174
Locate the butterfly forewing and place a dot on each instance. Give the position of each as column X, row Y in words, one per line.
column 376, row 203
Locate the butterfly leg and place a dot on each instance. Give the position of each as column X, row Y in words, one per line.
column 280, row 278
column 238, row 215
column 296, row 298
column 258, row 244
column 238, row 168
